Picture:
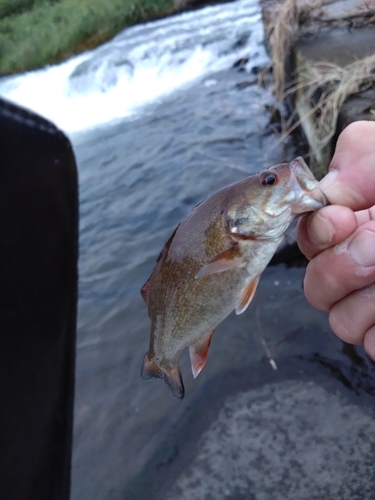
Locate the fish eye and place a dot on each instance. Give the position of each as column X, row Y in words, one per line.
column 268, row 179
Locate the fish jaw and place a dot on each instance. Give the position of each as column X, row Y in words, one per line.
column 309, row 202
column 311, row 197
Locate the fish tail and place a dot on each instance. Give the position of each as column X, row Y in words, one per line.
column 171, row 376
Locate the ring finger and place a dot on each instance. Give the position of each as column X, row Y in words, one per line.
column 353, row 316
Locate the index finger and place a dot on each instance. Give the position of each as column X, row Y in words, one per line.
column 351, row 179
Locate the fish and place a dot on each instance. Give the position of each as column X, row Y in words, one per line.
column 213, row 260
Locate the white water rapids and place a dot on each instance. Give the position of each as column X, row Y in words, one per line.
column 142, row 64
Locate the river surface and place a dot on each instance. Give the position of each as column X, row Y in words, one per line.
column 159, row 118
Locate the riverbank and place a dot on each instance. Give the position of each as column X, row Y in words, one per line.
column 34, row 33
column 324, row 68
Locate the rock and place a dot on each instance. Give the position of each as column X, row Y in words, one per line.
column 295, row 433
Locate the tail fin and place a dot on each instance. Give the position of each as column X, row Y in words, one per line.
column 171, row 376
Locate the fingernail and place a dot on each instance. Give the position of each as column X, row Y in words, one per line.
column 321, row 230
column 362, row 248
column 328, row 179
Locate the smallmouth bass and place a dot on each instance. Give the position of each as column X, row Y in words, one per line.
column 212, row 262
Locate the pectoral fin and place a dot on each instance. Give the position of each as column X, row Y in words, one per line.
column 247, row 296
column 198, row 353
column 228, row 259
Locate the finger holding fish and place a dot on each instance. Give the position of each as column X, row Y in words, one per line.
column 320, row 230
column 351, row 177
column 349, row 186
column 353, row 317
column 342, row 269
column 340, row 239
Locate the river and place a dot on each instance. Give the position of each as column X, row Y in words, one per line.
column 159, row 117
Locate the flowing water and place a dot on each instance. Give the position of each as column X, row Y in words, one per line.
column 140, row 65
column 159, row 117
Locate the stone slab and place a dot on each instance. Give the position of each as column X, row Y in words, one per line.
column 297, row 434
column 357, row 107
column 337, row 45
column 284, row 440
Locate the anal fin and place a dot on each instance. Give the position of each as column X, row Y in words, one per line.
column 247, row 296
column 171, row 376
column 198, row 353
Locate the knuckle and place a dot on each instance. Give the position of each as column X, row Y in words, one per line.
column 344, row 326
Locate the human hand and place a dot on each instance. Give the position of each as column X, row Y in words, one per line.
column 339, row 240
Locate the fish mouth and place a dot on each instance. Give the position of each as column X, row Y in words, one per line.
column 311, row 201
column 325, row 199
column 300, row 168
column 311, row 196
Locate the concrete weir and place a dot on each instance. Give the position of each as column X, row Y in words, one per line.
column 323, row 56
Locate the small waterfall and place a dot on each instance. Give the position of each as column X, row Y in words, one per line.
column 141, row 65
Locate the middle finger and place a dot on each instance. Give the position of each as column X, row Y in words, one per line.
column 342, row 269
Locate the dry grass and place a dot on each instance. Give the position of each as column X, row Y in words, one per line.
column 281, row 36
column 334, row 84
column 287, row 18
column 320, row 88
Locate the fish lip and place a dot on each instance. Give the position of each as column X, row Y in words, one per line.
column 311, row 196
column 323, row 198
column 299, row 163
column 326, row 200
column 311, row 201
column 308, row 196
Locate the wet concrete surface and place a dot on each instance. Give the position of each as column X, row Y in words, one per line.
column 337, row 45
column 245, row 431
column 295, row 433
column 357, row 107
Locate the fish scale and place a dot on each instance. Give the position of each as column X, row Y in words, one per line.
column 212, row 262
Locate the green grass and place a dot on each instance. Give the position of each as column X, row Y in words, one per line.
column 34, row 33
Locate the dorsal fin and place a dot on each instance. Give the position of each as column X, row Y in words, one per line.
column 228, row 259
column 247, row 296
column 198, row 353
column 144, row 290
column 167, row 244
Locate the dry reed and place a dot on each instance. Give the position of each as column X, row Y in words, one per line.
column 287, row 17
column 333, row 84
column 321, row 88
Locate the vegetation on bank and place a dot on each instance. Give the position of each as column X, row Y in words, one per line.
column 34, row 33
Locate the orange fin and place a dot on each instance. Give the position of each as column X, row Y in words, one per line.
column 247, row 296
column 222, row 262
column 144, row 290
column 171, row 376
column 198, row 353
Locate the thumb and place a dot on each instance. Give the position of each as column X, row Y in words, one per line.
column 351, row 178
